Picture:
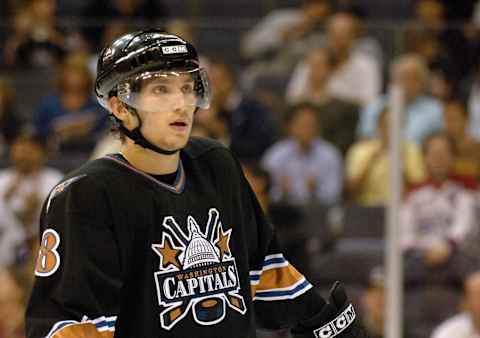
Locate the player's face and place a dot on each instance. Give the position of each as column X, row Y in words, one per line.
column 167, row 122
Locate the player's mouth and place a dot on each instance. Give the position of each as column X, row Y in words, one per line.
column 179, row 125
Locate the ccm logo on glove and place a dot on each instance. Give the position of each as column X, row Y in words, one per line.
column 337, row 325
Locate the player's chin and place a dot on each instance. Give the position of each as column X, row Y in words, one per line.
column 177, row 142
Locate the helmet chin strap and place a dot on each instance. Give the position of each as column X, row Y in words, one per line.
column 137, row 137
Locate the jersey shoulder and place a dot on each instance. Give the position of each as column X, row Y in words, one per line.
column 199, row 146
column 85, row 183
column 210, row 153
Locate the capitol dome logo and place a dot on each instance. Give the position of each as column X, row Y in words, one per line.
column 197, row 271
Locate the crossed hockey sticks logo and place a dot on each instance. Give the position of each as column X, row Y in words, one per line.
column 197, row 271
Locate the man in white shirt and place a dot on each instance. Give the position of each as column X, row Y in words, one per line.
column 467, row 323
column 356, row 76
column 437, row 218
column 303, row 167
column 25, row 184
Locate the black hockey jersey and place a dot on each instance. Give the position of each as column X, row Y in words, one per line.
column 124, row 255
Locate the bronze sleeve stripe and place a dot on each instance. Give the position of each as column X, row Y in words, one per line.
column 82, row 330
column 281, row 277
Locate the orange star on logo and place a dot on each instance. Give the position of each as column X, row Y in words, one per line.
column 168, row 254
column 223, row 241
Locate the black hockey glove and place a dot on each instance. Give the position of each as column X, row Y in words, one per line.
column 336, row 319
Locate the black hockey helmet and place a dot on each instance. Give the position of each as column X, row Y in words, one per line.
column 132, row 59
column 147, row 52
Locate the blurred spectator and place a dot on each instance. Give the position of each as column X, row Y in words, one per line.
column 474, row 106
column 111, row 31
column 249, row 124
column 453, row 46
column 10, row 122
column 287, row 220
column 320, row 64
column 338, row 118
column 286, row 29
column 215, row 123
column 12, row 238
column 437, row 216
column 71, row 118
column 373, row 301
column 11, row 307
column 467, row 159
column 304, row 168
column 441, row 86
column 26, row 184
column 367, row 167
column 182, row 28
column 35, row 42
column 458, row 11
column 260, row 182
column 373, row 305
column 467, row 323
column 356, row 75
column 279, row 40
column 136, row 12
column 423, row 112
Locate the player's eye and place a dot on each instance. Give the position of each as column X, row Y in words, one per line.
column 187, row 88
column 160, row 89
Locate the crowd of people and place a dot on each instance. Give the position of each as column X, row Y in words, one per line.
column 305, row 107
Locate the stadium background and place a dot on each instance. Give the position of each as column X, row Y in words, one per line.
column 298, row 89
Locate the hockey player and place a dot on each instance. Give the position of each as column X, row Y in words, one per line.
column 166, row 239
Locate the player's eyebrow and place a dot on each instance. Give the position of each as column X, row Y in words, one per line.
column 165, row 80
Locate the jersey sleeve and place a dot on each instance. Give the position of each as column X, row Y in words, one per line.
column 282, row 295
column 78, row 275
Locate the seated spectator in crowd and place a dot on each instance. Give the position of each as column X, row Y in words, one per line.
column 356, row 75
column 467, row 159
column 112, row 30
column 373, row 305
column 26, row 184
column 215, row 123
column 474, row 105
column 466, row 324
column 71, row 118
column 285, row 35
column 338, row 118
column 304, row 168
column 423, row 113
column 373, row 302
column 433, row 16
column 136, row 12
column 249, row 124
column 12, row 306
column 35, row 42
column 260, row 181
column 367, row 168
column 437, row 217
column 10, row 122
column 12, row 238
column 182, row 28
column 441, row 86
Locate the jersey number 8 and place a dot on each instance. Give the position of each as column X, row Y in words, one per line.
column 48, row 259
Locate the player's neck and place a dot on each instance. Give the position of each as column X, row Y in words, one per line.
column 149, row 161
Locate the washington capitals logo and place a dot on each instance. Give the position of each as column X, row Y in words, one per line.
column 197, row 271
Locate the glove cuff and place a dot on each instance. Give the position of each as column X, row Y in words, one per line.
column 337, row 325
